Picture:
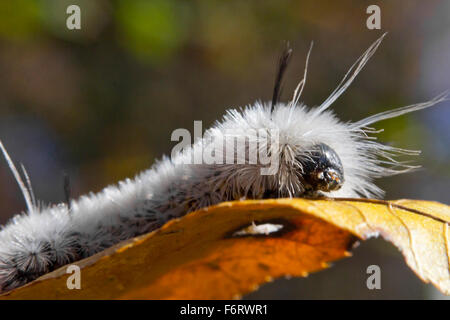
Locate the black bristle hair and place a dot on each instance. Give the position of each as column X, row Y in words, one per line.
column 282, row 65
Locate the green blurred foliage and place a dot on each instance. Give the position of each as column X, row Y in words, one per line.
column 20, row 19
column 140, row 24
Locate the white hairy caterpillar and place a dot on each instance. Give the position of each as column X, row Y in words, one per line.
column 318, row 155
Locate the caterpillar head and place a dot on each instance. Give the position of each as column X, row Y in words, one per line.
column 318, row 154
column 322, row 169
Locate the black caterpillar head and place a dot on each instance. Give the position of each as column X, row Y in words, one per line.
column 322, row 169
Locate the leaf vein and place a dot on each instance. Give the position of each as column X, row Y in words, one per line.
column 410, row 236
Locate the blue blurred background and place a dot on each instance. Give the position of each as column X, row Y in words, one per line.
column 100, row 103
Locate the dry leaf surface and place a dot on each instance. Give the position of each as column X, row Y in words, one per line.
column 228, row 250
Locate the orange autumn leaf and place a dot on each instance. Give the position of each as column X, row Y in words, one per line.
column 228, row 250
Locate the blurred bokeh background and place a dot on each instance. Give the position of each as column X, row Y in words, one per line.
column 100, row 103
